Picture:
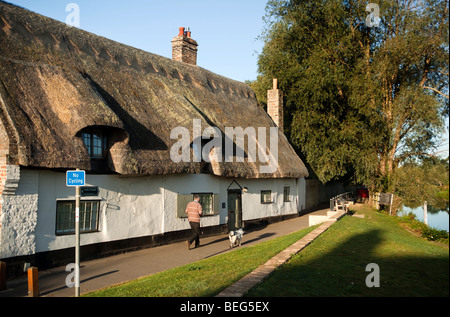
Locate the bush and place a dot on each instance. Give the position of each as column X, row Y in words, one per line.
column 426, row 232
column 409, row 216
column 435, row 235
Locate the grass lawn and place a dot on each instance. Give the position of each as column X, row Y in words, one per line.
column 335, row 263
column 204, row 278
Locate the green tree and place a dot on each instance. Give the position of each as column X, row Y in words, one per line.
column 359, row 100
column 427, row 181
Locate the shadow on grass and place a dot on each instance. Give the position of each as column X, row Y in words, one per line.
column 317, row 271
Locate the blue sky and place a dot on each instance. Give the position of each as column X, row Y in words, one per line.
column 226, row 31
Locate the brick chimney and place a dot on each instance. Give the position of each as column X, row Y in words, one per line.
column 184, row 48
column 275, row 104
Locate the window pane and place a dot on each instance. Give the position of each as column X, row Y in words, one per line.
column 95, row 143
column 87, row 142
column 206, row 200
column 65, row 216
column 87, row 139
column 286, row 194
column 97, row 139
column 266, row 196
column 97, row 151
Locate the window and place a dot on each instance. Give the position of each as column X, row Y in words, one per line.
column 65, row 217
column 286, row 194
column 95, row 142
column 266, row 196
column 210, row 204
column 207, row 202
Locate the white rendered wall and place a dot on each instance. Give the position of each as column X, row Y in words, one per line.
column 19, row 214
column 251, row 200
column 130, row 207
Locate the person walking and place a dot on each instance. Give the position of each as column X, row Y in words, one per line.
column 194, row 211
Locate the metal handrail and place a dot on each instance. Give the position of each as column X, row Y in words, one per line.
column 341, row 197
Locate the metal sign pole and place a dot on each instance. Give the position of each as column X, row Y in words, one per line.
column 76, row 179
column 77, row 241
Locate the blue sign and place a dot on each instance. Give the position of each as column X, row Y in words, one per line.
column 75, row 178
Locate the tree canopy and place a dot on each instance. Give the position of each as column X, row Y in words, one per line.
column 425, row 181
column 359, row 99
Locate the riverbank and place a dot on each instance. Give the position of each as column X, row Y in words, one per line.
column 337, row 263
column 417, row 227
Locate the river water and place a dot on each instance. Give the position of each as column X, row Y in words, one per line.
column 436, row 219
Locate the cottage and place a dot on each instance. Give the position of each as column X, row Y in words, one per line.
column 70, row 99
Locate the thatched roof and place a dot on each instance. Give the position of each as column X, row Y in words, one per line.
column 57, row 80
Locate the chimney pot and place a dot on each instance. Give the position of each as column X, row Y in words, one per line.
column 181, row 32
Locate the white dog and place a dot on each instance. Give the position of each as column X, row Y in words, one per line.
column 236, row 237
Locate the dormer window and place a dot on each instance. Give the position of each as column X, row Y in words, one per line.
column 96, row 143
column 105, row 146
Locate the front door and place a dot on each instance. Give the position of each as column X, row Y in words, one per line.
column 234, row 209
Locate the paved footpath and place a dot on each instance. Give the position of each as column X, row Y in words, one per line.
column 101, row 273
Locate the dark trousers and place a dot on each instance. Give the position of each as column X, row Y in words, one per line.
column 195, row 226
